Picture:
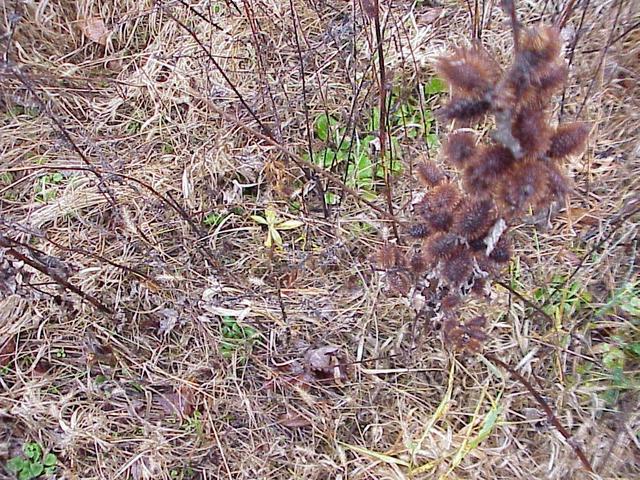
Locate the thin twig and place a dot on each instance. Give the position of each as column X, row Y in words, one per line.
column 8, row 244
column 545, row 406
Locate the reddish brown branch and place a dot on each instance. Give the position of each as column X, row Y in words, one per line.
column 8, row 244
column 547, row 409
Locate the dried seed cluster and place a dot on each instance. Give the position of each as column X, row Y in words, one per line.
column 517, row 168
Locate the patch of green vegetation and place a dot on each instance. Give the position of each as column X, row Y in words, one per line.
column 619, row 351
column 6, row 178
column 133, row 127
column 167, row 148
column 19, row 110
column 33, row 464
column 235, row 337
column 355, row 154
column 184, row 473
column 626, row 299
column 46, row 186
column 213, row 219
column 194, row 423
column 562, row 299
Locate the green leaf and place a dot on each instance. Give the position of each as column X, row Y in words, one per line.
column 213, row 219
column 50, row 460
column 36, row 469
column 57, row 177
column 634, row 348
column 322, row 125
column 325, row 157
column 289, row 225
column 259, row 219
column 270, row 216
column 331, row 198
column 364, row 167
column 32, row 450
column 432, row 140
column 49, row 471
column 374, row 121
column 434, row 86
column 273, row 237
column 487, row 426
column 16, row 464
column 613, row 359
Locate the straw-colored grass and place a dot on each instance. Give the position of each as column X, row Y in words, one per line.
column 152, row 390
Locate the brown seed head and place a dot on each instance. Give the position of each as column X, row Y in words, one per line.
column 483, row 174
column 531, row 128
column 467, row 337
column 429, row 173
column 460, row 148
column 458, row 268
column 569, row 139
column 524, row 185
column 474, row 218
column 464, row 109
column 441, row 246
column 470, row 71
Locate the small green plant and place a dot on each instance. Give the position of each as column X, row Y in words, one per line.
column 235, row 337
column 194, row 423
column 45, row 186
column 33, row 464
column 181, row 473
column 568, row 299
column 213, row 219
column 6, row 178
column 274, row 226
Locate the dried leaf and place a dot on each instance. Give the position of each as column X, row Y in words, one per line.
column 180, row 402
column 168, row 320
column 294, row 420
column 326, row 363
column 95, row 30
column 6, row 352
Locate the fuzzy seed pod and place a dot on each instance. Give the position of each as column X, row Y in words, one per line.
column 483, row 174
column 467, row 337
column 464, row 109
column 532, row 88
column 557, row 183
column 419, row 230
column 450, row 302
column 441, row 246
column 544, row 84
column 530, row 127
column 429, row 174
column 418, row 263
column 479, row 287
column 477, row 245
column 569, row 139
column 398, row 283
column 460, row 148
column 437, row 207
column 501, row 252
column 539, row 46
column 389, row 257
column 469, row 71
column 525, row 185
column 474, row 218
column 458, row 268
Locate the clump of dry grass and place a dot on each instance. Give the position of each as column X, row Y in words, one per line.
column 148, row 391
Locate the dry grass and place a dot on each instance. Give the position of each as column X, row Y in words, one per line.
column 97, row 389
